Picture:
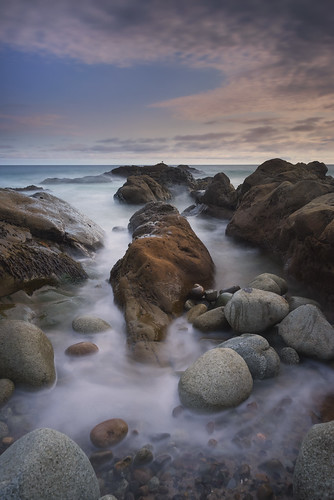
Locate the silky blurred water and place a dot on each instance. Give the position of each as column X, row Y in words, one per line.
column 108, row 384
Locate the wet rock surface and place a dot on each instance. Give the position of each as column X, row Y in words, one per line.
column 151, row 282
column 39, row 234
column 288, row 209
column 141, row 189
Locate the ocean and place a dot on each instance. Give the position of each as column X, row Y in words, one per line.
column 108, row 384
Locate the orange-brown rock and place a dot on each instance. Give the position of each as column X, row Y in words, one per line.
column 109, row 432
column 81, row 349
column 151, row 282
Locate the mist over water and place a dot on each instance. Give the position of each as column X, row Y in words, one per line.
column 89, row 390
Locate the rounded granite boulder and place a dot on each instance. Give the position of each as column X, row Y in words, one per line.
column 307, row 330
column 26, row 354
column 218, row 379
column 262, row 360
column 313, row 475
column 253, row 311
column 47, row 464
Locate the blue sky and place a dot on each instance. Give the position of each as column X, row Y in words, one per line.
column 200, row 81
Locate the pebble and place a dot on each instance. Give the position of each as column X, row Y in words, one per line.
column 81, row 349
column 90, row 324
column 109, row 432
column 196, row 292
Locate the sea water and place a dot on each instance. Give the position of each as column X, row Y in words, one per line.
column 109, row 384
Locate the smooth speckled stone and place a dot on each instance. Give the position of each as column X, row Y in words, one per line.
column 26, row 354
column 109, row 432
column 82, row 349
column 307, row 330
column 253, row 311
column 262, row 360
column 218, row 379
column 90, row 324
column 46, row 464
column 313, row 475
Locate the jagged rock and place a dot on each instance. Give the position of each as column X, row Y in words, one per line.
column 153, row 279
column 288, row 210
column 37, row 235
column 163, row 174
column 220, row 197
column 140, row 189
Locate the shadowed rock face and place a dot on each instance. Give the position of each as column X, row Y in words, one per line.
column 161, row 173
column 141, row 189
column 289, row 210
column 152, row 280
column 37, row 236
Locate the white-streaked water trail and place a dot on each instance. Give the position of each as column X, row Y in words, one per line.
column 109, row 384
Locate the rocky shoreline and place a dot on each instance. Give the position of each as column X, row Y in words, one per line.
column 261, row 333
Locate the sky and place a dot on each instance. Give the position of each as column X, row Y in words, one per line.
column 180, row 81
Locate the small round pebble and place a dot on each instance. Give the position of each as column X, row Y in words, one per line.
column 90, row 324
column 81, row 349
column 109, row 432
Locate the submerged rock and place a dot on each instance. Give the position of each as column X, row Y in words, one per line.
column 153, row 279
column 81, row 349
column 47, row 464
column 313, row 475
column 218, row 379
column 253, row 311
column 26, row 354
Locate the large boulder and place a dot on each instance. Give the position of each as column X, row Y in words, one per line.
column 26, row 354
column 288, row 210
column 163, row 174
column 217, row 380
column 262, row 360
column 253, row 311
column 313, row 475
column 39, row 235
column 151, row 282
column 307, row 238
column 50, row 218
column 140, row 189
column 278, row 170
column 307, row 330
column 219, row 198
column 47, row 464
